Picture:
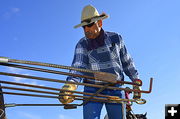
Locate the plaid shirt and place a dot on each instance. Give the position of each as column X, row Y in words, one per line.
column 112, row 58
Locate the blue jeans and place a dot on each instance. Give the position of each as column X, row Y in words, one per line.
column 92, row 110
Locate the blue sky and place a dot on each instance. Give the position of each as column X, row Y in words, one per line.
column 42, row 30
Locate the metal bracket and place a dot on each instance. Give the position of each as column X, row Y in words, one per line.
column 70, row 106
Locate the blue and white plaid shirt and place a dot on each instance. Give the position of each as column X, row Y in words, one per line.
column 111, row 57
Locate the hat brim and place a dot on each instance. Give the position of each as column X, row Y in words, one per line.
column 92, row 20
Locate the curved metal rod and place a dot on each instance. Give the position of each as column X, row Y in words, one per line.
column 86, row 84
column 142, row 91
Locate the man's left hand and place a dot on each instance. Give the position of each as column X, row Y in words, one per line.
column 137, row 95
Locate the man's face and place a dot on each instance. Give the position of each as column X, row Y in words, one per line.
column 92, row 31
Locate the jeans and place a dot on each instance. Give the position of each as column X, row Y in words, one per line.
column 92, row 110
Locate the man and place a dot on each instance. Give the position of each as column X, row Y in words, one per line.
column 100, row 51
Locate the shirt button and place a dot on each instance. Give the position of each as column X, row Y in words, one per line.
column 108, row 65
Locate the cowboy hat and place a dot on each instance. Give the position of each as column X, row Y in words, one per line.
column 90, row 15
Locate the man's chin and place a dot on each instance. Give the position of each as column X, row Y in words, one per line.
column 90, row 37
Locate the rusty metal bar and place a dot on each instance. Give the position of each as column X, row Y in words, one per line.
column 14, row 105
column 33, row 95
column 47, row 79
column 54, row 93
column 45, row 70
column 50, row 88
column 97, row 73
column 62, row 73
column 106, row 97
column 54, row 97
column 86, row 84
column 118, row 100
column 49, row 65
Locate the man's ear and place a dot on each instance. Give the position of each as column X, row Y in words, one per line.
column 100, row 23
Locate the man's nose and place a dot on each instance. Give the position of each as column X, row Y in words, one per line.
column 86, row 29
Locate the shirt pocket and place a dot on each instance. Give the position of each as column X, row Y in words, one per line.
column 114, row 52
column 98, row 57
column 93, row 57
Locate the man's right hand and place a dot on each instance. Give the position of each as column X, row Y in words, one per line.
column 67, row 99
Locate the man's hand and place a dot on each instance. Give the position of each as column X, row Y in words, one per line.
column 137, row 95
column 67, row 99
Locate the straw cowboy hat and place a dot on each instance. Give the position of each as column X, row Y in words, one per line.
column 90, row 15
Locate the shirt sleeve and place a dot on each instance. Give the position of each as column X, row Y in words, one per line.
column 80, row 60
column 127, row 62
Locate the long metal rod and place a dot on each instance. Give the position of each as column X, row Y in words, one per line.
column 87, row 98
column 33, row 95
column 13, row 105
column 86, row 84
column 49, row 88
column 49, row 65
column 48, row 79
column 45, row 70
column 103, row 76
column 76, row 98
column 60, row 72
column 105, row 97
column 55, row 97
column 54, row 93
column 66, row 106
